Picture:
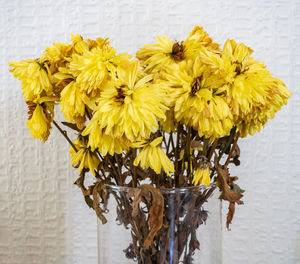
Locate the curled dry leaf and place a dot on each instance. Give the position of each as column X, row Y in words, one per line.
column 196, row 144
column 225, row 182
column 98, row 191
column 230, row 214
column 155, row 204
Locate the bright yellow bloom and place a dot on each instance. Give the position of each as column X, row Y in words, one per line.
column 72, row 103
column 168, row 52
column 84, row 157
column 248, row 79
column 81, row 45
column 92, row 68
column 259, row 115
column 56, row 55
column 38, row 124
column 254, row 95
column 105, row 143
column 41, row 113
column 197, row 41
column 34, row 78
column 153, row 156
column 128, row 107
column 201, row 176
column 201, row 98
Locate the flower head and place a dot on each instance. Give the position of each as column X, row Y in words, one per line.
column 201, row 176
column 200, row 99
column 93, row 67
column 167, row 52
column 129, row 106
column 41, row 113
column 34, row 78
column 105, row 143
column 84, row 157
column 253, row 94
column 153, row 156
column 73, row 105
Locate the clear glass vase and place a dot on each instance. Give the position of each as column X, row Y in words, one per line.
column 190, row 233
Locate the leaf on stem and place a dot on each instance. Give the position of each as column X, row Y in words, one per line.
column 155, row 204
column 229, row 191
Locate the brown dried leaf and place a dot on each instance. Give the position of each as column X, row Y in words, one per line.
column 155, row 202
column 98, row 190
column 196, row 144
column 230, row 214
column 225, row 182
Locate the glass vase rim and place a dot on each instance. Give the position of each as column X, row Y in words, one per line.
column 163, row 190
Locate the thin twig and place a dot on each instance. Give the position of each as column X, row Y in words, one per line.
column 187, row 150
column 64, row 133
column 177, row 154
column 229, row 141
column 211, row 152
column 134, row 168
column 232, row 149
column 88, row 113
column 115, row 172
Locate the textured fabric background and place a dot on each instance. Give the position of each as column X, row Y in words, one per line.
column 43, row 218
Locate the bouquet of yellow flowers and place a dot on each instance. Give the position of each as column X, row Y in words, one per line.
column 163, row 120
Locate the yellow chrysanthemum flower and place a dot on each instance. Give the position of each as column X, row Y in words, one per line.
column 33, row 76
column 81, row 45
column 153, row 156
column 249, row 80
column 259, row 115
column 92, row 68
column 201, row 176
column 56, row 55
column 84, row 157
column 41, row 113
column 73, row 105
column 38, row 124
column 167, row 52
column 254, row 95
column 128, row 107
column 105, row 143
column 201, row 98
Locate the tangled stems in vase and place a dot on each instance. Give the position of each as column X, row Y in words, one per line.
column 170, row 118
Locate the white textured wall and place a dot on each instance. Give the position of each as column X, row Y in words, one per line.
column 42, row 216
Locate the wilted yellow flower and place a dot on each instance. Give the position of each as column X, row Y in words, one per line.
column 168, row 52
column 253, row 95
column 153, row 156
column 84, row 157
column 128, row 107
column 41, row 113
column 92, row 68
column 34, row 78
column 81, row 45
column 73, row 105
column 201, row 98
column 105, row 143
column 259, row 115
column 248, row 79
column 56, row 55
column 201, row 176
